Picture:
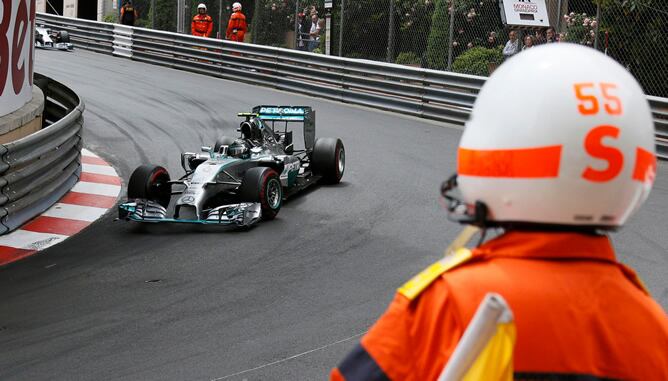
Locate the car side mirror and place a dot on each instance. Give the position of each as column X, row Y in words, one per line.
column 206, row 149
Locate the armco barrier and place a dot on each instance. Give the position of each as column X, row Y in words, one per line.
column 424, row 93
column 37, row 170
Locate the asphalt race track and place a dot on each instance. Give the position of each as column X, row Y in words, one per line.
column 283, row 301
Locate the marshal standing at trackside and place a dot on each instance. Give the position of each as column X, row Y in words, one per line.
column 556, row 179
column 236, row 27
column 202, row 24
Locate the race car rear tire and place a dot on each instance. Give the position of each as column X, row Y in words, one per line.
column 329, row 159
column 64, row 37
column 262, row 184
column 150, row 182
column 223, row 141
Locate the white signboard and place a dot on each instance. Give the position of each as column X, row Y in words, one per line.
column 16, row 54
column 524, row 13
column 70, row 8
column 41, row 6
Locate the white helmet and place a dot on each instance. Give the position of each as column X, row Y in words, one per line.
column 201, row 6
column 559, row 135
column 236, row 7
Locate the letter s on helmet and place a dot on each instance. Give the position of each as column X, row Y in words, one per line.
column 560, row 135
column 236, row 7
column 201, row 6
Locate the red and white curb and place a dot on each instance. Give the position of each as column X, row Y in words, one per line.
column 90, row 198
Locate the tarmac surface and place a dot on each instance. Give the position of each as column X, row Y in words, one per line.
column 285, row 300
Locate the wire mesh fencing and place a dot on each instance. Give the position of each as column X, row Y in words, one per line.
column 466, row 36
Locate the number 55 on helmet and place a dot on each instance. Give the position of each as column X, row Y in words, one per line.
column 571, row 147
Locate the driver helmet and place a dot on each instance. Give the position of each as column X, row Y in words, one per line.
column 236, row 7
column 238, row 149
column 578, row 153
column 201, row 6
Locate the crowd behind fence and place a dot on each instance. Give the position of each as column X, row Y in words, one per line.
column 464, row 36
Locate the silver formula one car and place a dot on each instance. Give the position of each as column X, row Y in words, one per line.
column 46, row 38
column 239, row 180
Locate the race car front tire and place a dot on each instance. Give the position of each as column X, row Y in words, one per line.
column 262, row 184
column 329, row 159
column 64, row 36
column 150, row 182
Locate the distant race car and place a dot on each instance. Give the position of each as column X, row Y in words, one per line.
column 46, row 38
column 240, row 180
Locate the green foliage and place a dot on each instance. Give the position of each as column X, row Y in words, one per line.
column 473, row 21
column 413, row 21
column 476, row 60
column 637, row 39
column 365, row 29
column 274, row 19
column 110, row 18
column 636, row 35
column 407, row 58
column 580, row 28
column 165, row 15
column 437, row 43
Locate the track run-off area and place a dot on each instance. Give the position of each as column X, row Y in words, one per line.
column 285, row 300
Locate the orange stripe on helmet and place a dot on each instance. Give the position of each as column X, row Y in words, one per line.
column 541, row 162
column 645, row 167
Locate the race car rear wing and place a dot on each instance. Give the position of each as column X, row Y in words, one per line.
column 304, row 114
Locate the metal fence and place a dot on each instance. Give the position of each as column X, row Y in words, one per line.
column 37, row 170
column 464, row 36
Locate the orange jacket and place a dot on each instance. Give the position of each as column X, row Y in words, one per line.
column 236, row 27
column 202, row 25
column 577, row 312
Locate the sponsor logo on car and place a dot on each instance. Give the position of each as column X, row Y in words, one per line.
column 282, row 110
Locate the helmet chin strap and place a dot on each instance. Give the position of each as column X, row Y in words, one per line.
column 461, row 212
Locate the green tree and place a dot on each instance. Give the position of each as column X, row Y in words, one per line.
column 413, row 20
column 275, row 18
column 437, row 43
column 637, row 39
column 165, row 15
column 633, row 32
column 473, row 21
column 477, row 60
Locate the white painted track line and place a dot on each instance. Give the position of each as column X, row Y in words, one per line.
column 98, row 189
column 75, row 212
column 24, row 239
column 98, row 169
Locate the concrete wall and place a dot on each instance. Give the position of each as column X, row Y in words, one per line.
column 71, row 8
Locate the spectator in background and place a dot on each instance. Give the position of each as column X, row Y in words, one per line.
column 491, row 40
column 236, row 27
column 129, row 13
column 202, row 24
column 314, row 32
column 302, row 36
column 539, row 37
column 528, row 42
column 512, row 46
column 551, row 36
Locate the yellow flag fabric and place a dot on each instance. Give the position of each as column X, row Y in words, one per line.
column 496, row 360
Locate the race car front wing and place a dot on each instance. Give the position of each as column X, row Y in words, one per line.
column 242, row 214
